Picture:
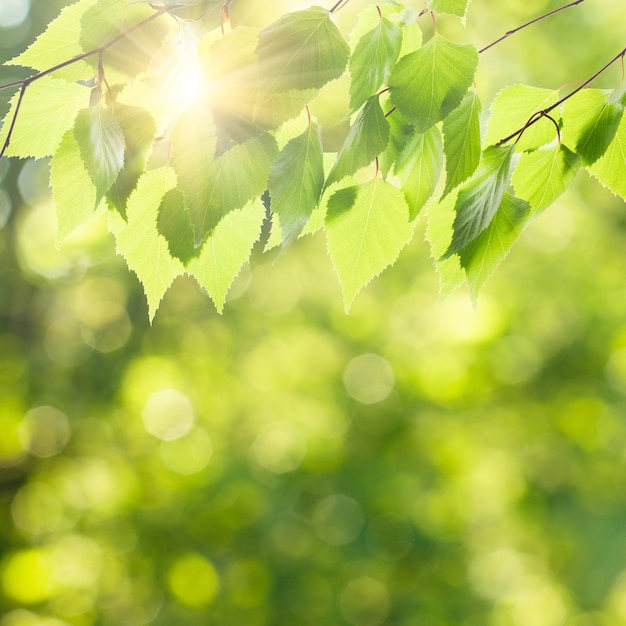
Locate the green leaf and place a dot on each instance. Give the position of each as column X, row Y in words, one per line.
column 418, row 167
column 301, row 50
column 540, row 177
column 512, row 109
column 229, row 182
column 174, row 223
column 461, row 134
column 73, row 191
column 48, row 109
column 231, row 69
column 192, row 156
column 57, row 44
column 609, row 168
column 430, row 83
column 271, row 110
column 296, row 181
column 479, row 199
column 226, row 249
column 590, row 122
column 367, row 237
column 367, row 138
column 481, row 256
column 400, row 132
column 107, row 20
column 451, row 7
column 101, row 142
column 140, row 243
column 139, row 130
column 372, row 60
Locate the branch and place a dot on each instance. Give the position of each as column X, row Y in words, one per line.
column 537, row 19
column 24, row 84
column 535, row 117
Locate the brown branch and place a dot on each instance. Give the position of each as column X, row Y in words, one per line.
column 537, row 19
column 535, row 117
column 25, row 83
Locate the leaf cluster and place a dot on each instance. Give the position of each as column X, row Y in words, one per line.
column 181, row 172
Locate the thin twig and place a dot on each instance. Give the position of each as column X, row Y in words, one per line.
column 81, row 57
column 338, row 5
column 535, row 117
column 537, row 19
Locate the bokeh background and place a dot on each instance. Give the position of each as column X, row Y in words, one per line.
column 414, row 463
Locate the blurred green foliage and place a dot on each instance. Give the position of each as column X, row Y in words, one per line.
column 412, row 463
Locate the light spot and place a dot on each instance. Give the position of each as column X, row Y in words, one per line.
column 279, row 448
column 193, row 580
column 368, row 378
column 168, row 414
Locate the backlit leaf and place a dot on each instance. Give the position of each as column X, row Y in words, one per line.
column 301, row 50
column 372, row 60
column 479, row 199
column 229, row 182
column 174, row 223
column 48, row 109
column 101, row 141
column 540, row 177
column 143, row 30
column 226, row 250
column 59, row 43
column 73, row 191
column 140, row 243
column 367, row 138
column 482, row 256
column 366, row 233
column 452, row 7
column 418, row 167
column 428, row 84
column 296, row 181
column 609, row 168
column 193, row 144
column 512, row 109
column 461, row 134
column 590, row 122
column 139, row 130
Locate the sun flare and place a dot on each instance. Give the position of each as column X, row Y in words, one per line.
column 185, row 84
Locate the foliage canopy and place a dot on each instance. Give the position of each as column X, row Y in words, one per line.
column 192, row 136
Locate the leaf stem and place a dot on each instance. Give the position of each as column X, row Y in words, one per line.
column 535, row 117
column 537, row 19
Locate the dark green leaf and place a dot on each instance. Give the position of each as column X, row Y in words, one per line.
column 174, row 223
column 479, row 199
column 461, row 135
column 428, row 84
column 609, row 168
column 419, row 166
column 101, row 141
column 138, row 129
column 296, row 181
column 590, row 121
column 229, row 182
column 301, row 50
column 481, row 257
column 367, row 138
column 372, row 60
column 341, row 201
